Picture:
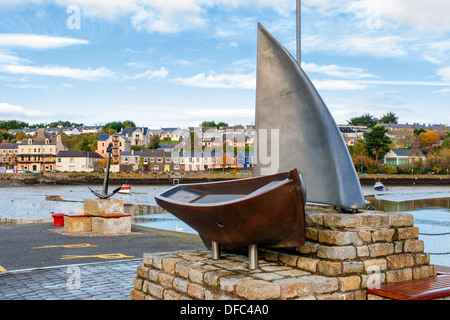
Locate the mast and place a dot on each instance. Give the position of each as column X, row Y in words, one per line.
column 299, row 43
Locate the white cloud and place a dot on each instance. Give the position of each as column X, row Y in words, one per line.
column 223, row 80
column 444, row 73
column 150, row 74
column 418, row 15
column 35, row 41
column 57, row 71
column 9, row 111
column 338, row 85
column 337, row 71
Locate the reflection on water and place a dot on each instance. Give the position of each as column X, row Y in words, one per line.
column 409, row 205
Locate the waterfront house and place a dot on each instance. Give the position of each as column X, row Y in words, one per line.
column 193, row 161
column 137, row 136
column 404, row 157
column 153, row 160
column 120, row 144
column 39, row 153
column 245, row 159
column 77, row 161
column 129, row 161
column 8, row 155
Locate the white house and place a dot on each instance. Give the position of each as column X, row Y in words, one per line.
column 77, row 161
column 403, row 157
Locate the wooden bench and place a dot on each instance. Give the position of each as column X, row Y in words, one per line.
column 422, row 289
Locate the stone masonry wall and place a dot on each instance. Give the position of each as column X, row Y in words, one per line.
column 343, row 255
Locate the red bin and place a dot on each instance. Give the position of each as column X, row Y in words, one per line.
column 58, row 219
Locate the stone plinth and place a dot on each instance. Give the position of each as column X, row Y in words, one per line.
column 103, row 207
column 344, row 254
column 112, row 224
column 77, row 223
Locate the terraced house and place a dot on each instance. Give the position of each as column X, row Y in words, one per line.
column 8, row 155
column 39, row 153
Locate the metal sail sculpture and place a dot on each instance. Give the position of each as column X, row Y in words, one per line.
column 309, row 139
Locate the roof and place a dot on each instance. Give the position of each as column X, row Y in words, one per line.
column 152, row 153
column 9, row 145
column 408, row 152
column 78, row 154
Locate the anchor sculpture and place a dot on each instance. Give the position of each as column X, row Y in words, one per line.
column 104, row 194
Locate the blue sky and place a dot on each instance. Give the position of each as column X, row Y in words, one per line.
column 176, row 63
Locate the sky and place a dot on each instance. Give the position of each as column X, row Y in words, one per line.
column 176, row 63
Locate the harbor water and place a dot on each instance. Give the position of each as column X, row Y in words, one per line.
column 430, row 206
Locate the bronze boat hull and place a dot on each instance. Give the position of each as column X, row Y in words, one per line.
column 265, row 211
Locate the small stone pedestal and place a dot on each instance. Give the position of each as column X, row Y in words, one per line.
column 112, row 224
column 76, row 223
column 344, row 254
column 104, row 216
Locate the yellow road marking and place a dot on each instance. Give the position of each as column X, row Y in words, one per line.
column 82, row 245
column 101, row 256
column 3, row 269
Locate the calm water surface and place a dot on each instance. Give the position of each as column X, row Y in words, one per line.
column 430, row 206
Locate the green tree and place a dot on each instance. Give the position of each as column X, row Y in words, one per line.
column 417, row 132
column 20, row 136
column 389, row 117
column 365, row 120
column 154, row 141
column 377, row 142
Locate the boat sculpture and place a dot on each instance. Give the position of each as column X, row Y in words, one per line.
column 309, row 139
column 266, row 211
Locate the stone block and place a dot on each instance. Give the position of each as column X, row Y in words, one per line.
column 341, row 220
column 336, row 253
column 308, row 264
column 408, row 233
column 349, row 283
column 77, row 224
column 424, row 272
column 383, row 235
column 356, row 267
column 381, row 249
column 399, row 275
column 111, row 226
column 97, row 207
column 294, row 287
column 401, row 219
column 329, row 268
column 253, row 289
column 400, row 261
column 374, row 220
column 339, row 238
column 416, row 246
column 196, row 291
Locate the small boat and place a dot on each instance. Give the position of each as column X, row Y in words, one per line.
column 378, row 186
column 126, row 189
column 267, row 211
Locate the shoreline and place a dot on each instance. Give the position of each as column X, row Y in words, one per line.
column 74, row 178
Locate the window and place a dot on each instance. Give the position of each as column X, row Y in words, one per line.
column 155, row 167
column 59, row 160
column 159, row 160
column 152, row 160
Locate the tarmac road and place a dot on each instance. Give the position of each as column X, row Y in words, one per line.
column 44, row 245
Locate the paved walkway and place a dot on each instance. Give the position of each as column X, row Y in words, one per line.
column 39, row 262
column 110, row 280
